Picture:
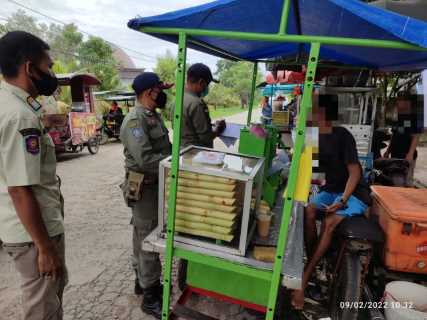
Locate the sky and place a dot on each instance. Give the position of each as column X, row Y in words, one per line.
column 108, row 19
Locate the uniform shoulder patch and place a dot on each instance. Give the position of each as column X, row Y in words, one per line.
column 31, row 140
column 138, row 133
column 32, row 144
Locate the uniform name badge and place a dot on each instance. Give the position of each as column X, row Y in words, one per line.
column 34, row 104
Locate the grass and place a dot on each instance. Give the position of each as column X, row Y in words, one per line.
column 219, row 113
column 222, row 112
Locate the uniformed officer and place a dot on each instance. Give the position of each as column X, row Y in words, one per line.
column 197, row 125
column 146, row 143
column 31, row 220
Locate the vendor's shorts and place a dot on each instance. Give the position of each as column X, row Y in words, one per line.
column 355, row 207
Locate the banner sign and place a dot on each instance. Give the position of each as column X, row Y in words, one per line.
column 83, row 126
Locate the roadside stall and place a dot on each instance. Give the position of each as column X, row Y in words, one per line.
column 218, row 242
column 74, row 131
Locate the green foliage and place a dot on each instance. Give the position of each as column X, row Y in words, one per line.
column 60, row 67
column 23, row 22
column 96, row 56
column 166, row 69
column 3, row 29
column 69, row 51
column 392, row 85
column 65, row 44
column 237, row 76
column 102, row 107
column 223, row 65
column 233, row 89
column 219, row 95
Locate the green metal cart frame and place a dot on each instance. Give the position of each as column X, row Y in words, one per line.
column 281, row 36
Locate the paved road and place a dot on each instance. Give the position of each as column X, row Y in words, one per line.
column 421, row 166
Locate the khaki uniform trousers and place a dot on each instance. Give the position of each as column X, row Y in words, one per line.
column 144, row 220
column 41, row 296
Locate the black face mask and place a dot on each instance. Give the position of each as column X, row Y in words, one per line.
column 46, row 85
column 161, row 100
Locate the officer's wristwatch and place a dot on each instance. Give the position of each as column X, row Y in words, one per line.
column 343, row 202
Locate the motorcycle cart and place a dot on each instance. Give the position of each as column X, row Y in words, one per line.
column 76, row 130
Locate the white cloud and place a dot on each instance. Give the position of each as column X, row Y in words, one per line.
column 108, row 19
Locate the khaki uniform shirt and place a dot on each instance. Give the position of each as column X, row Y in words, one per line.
column 27, row 158
column 145, row 140
column 196, row 124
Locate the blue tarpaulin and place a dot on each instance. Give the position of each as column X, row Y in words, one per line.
column 339, row 18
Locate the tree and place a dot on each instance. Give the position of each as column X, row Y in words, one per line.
column 68, row 50
column 238, row 77
column 220, row 96
column 393, row 84
column 23, row 22
column 66, row 43
column 222, row 65
column 166, row 69
column 3, row 29
column 96, row 56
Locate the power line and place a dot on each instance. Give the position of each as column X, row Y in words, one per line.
column 82, row 31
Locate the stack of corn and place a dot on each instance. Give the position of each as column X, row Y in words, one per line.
column 206, row 206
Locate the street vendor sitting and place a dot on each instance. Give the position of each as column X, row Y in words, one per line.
column 344, row 194
column 115, row 114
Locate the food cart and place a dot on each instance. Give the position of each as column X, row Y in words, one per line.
column 73, row 131
column 339, row 31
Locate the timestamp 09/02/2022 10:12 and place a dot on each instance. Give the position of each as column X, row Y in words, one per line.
column 376, row 305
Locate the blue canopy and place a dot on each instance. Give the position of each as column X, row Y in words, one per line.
column 340, row 18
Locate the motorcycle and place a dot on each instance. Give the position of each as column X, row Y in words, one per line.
column 109, row 129
column 391, row 172
column 343, row 270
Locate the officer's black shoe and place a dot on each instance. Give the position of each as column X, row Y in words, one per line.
column 152, row 302
column 139, row 291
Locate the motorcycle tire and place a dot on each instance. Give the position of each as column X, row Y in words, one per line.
column 93, row 145
column 347, row 288
column 104, row 137
column 182, row 274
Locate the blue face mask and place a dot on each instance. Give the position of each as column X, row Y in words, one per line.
column 205, row 92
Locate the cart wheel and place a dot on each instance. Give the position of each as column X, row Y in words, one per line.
column 93, row 145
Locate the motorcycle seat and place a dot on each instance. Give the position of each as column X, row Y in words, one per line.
column 360, row 228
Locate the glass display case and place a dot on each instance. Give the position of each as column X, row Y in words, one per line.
column 218, row 193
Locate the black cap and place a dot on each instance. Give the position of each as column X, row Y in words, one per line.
column 148, row 80
column 201, row 71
